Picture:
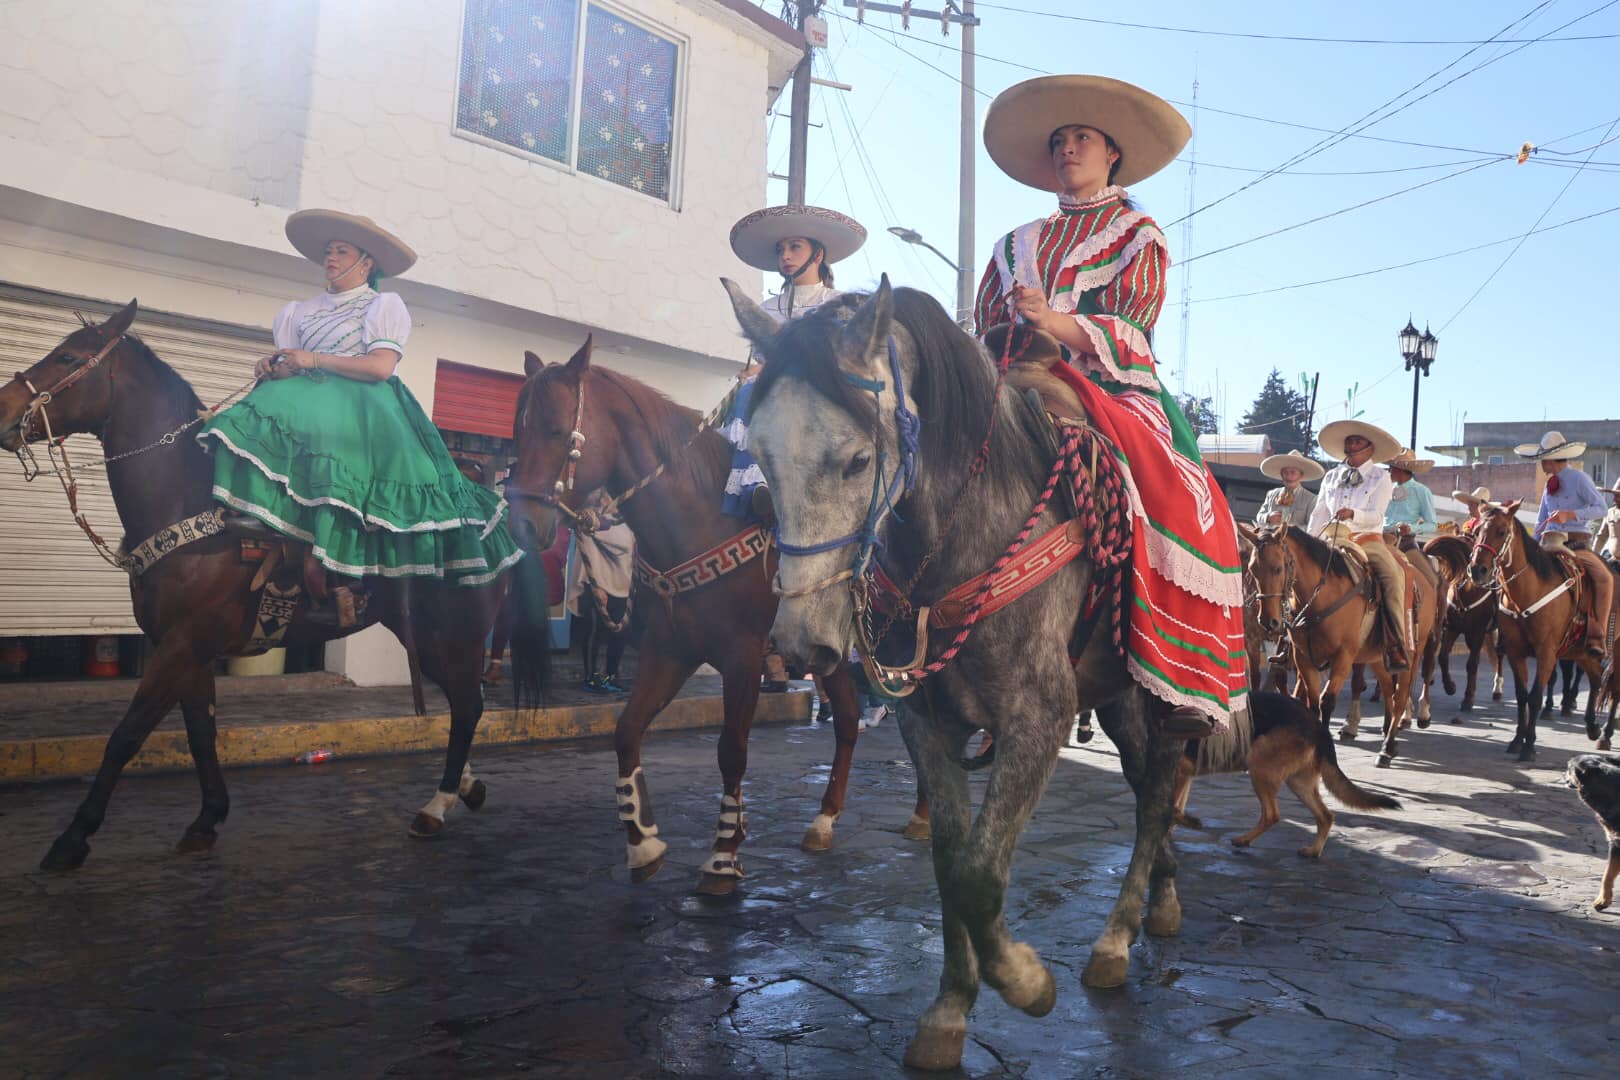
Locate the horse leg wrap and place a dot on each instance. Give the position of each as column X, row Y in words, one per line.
column 467, row 780
column 733, row 825
column 440, row 804
column 635, row 807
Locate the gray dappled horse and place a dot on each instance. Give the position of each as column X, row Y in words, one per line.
column 824, row 429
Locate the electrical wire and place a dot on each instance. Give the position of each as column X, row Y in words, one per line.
column 1277, row 37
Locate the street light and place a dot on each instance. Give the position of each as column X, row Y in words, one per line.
column 1418, row 351
column 912, row 236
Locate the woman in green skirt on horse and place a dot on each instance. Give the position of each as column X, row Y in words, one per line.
column 331, row 448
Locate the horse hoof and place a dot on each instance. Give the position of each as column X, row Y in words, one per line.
column 936, row 1046
column 1188, row 821
column 475, row 796
column 1384, row 760
column 1105, row 971
column 196, row 843
column 1346, row 735
column 1497, row 696
column 1458, row 720
column 1045, row 1000
column 1600, row 903
column 426, row 827
column 716, row 885
column 65, row 855
column 1603, row 744
column 640, row 875
column 1514, row 744
column 1085, row 734
column 1528, row 753
column 817, row 839
column 918, row 829
column 1310, row 852
column 1423, row 722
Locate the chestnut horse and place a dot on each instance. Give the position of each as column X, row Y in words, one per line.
column 198, row 601
column 600, row 429
column 1538, row 614
column 1332, row 618
column 1470, row 615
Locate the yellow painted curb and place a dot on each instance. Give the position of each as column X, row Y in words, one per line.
column 271, row 744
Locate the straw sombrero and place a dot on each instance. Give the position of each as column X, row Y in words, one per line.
column 1553, row 447
column 1147, row 129
column 1407, row 460
column 309, row 231
column 1385, row 445
column 755, row 237
column 1472, row 499
column 1276, row 463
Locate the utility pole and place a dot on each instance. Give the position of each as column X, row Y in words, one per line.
column 959, row 12
column 799, row 122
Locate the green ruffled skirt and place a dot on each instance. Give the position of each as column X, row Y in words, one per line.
column 358, row 471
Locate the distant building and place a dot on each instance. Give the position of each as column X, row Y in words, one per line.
column 1487, row 457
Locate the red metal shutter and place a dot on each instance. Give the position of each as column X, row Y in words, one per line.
column 475, row 400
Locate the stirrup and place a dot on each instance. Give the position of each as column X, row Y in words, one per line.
column 244, row 524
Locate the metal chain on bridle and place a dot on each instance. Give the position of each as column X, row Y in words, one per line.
column 56, row 447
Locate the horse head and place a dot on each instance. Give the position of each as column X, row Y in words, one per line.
column 1271, row 565
column 826, row 432
column 557, row 419
column 1492, row 538
column 70, row 389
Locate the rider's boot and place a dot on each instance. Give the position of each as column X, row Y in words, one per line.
column 1187, row 722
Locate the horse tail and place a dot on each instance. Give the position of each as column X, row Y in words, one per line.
column 529, row 598
column 1228, row 752
column 1341, row 786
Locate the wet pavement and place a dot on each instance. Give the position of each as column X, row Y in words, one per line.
column 1453, row 938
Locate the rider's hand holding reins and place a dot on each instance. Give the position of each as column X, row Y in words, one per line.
column 283, row 363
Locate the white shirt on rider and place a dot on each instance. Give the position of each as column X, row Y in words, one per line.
column 1368, row 501
column 797, row 300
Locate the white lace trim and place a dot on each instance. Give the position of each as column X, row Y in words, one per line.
column 740, row 479
column 1095, row 278
column 1112, row 191
column 1177, row 565
column 1165, row 692
column 1132, row 338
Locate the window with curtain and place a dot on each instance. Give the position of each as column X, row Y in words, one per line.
column 573, row 82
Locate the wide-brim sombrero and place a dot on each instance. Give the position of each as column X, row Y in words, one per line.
column 309, row 231
column 754, row 238
column 1553, row 447
column 1147, row 129
column 1406, row 460
column 1276, row 463
column 1473, row 498
column 1385, row 445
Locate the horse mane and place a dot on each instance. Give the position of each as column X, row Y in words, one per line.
column 1320, row 552
column 171, row 384
column 1540, row 560
column 670, row 426
column 954, row 382
column 1453, row 552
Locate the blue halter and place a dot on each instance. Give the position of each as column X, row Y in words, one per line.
column 908, row 426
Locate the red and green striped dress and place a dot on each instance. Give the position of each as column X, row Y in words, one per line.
column 1103, row 264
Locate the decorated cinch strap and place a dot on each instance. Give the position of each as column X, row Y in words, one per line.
column 707, row 568
column 169, row 539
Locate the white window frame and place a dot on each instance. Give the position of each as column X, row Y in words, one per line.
column 677, row 155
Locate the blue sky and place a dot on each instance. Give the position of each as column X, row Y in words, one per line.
column 1534, row 343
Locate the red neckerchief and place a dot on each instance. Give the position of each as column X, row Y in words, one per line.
column 1553, row 484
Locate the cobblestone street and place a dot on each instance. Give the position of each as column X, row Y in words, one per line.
column 1454, row 938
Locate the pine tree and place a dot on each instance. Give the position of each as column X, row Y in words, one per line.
column 1281, row 415
column 1200, row 413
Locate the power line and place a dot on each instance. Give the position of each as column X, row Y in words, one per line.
column 1509, row 257
column 1336, row 213
column 1404, row 265
column 1282, row 37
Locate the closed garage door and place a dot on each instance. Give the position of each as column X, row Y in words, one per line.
column 53, row 582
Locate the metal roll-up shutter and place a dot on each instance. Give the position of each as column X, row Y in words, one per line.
column 52, row 581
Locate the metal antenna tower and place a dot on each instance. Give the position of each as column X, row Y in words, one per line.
column 1186, row 244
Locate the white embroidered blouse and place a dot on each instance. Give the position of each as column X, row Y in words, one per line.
column 350, row 323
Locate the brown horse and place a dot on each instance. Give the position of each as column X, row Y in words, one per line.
column 718, row 611
column 1538, row 614
column 200, row 600
column 1470, row 615
column 1332, row 617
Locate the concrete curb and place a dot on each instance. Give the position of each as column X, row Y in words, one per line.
column 67, row 756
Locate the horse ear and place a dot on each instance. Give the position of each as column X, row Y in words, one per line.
column 532, row 364
column 1513, row 507
column 581, row 359
column 1246, row 531
column 859, row 341
column 757, row 326
column 119, row 324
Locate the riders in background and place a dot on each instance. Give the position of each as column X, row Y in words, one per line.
column 1351, row 505
column 1411, row 503
column 1569, row 503
column 1091, row 275
column 1292, row 503
column 1607, row 537
column 1472, row 500
column 331, row 448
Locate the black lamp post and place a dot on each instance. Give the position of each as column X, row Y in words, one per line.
column 1418, row 351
